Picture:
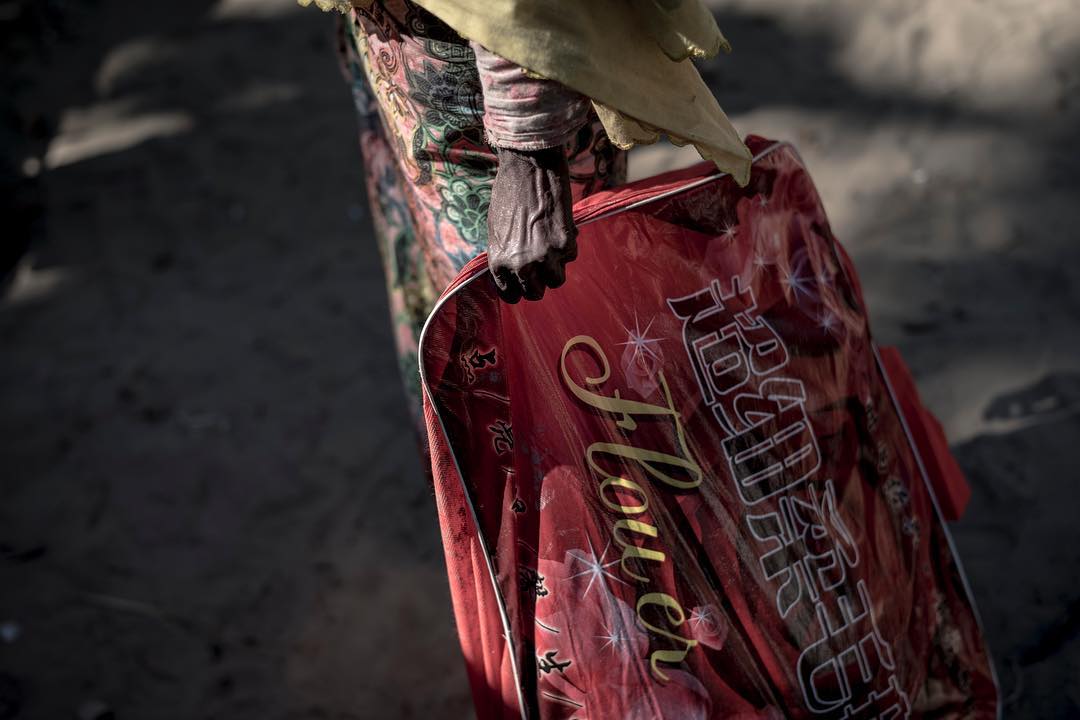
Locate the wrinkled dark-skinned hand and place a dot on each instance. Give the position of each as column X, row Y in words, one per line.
column 531, row 233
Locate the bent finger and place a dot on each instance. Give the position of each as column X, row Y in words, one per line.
column 532, row 283
column 553, row 270
column 506, row 284
column 569, row 251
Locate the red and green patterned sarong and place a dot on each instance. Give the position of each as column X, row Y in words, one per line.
column 429, row 170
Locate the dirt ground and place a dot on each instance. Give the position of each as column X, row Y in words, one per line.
column 210, row 502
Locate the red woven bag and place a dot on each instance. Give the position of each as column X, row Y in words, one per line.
column 681, row 486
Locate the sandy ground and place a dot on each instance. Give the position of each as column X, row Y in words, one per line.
column 210, row 504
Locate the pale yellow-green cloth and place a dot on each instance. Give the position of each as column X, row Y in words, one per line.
column 628, row 56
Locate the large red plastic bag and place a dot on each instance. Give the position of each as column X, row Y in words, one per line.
column 679, row 486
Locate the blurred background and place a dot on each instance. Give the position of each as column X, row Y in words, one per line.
column 210, row 502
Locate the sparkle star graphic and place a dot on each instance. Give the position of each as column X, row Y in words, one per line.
column 762, row 200
column 827, row 322
column 797, row 284
column 614, row 639
column 595, row 568
column 640, row 339
column 729, row 232
column 701, row 615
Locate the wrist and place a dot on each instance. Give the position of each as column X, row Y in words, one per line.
column 550, row 158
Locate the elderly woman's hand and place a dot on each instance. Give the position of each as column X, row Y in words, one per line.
column 531, row 233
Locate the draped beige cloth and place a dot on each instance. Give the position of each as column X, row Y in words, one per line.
column 630, row 57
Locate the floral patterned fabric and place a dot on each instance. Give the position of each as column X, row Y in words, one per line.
column 429, row 169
